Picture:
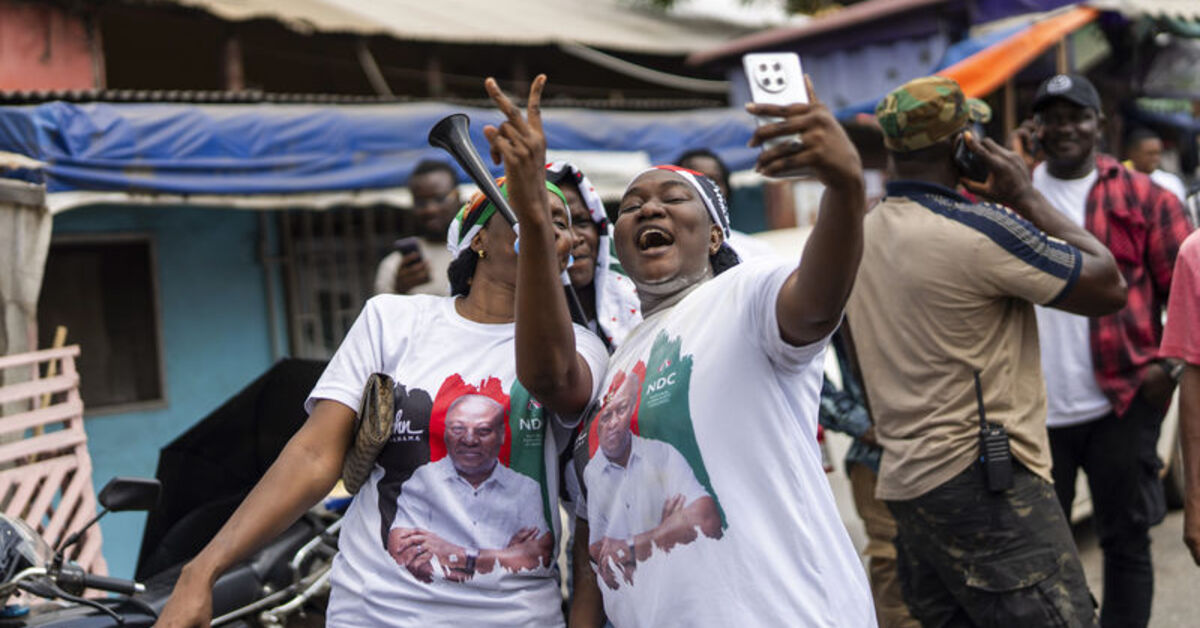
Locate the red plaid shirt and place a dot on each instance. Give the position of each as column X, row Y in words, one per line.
column 1143, row 226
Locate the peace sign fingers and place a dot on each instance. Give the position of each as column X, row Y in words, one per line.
column 533, row 108
column 519, row 143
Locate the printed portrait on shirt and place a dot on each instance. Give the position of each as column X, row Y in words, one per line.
column 474, row 503
column 647, row 487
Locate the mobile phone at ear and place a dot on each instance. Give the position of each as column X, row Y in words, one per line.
column 407, row 246
column 1035, row 145
column 970, row 165
column 775, row 78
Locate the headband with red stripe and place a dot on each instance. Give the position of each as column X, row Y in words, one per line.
column 714, row 201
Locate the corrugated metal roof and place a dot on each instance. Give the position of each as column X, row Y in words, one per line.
column 1182, row 9
column 27, row 97
column 599, row 23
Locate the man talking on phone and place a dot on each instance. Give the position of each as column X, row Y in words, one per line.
column 945, row 292
column 434, row 187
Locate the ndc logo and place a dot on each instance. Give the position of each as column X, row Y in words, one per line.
column 661, row 383
column 534, row 423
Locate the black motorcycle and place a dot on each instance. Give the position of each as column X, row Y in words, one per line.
column 273, row 588
column 29, row 565
column 202, row 477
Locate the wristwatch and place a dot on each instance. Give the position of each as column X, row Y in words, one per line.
column 467, row 566
column 1174, row 369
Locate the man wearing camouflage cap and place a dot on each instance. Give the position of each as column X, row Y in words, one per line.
column 945, row 293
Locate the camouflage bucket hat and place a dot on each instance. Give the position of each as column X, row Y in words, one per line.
column 925, row 111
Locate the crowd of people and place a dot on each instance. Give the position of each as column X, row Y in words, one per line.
column 994, row 335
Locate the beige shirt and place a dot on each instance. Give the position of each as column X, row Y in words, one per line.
column 947, row 287
column 436, row 256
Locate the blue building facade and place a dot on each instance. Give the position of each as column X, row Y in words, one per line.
column 215, row 336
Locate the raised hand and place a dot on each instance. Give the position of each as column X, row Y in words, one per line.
column 824, row 149
column 520, row 144
column 413, row 272
column 1024, row 141
column 1008, row 180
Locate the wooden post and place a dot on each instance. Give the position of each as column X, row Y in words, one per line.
column 1010, row 106
column 235, row 73
column 96, row 51
column 433, row 75
column 1062, row 63
column 371, row 69
column 60, row 341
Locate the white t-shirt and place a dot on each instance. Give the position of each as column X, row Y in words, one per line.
column 435, row 355
column 1072, row 394
column 750, row 248
column 436, row 257
column 1170, row 182
column 739, row 405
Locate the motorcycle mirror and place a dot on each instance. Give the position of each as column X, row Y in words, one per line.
column 124, row 494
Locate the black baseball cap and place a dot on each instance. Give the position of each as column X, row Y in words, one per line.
column 1069, row 87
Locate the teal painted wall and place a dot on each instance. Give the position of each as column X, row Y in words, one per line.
column 216, row 338
column 748, row 212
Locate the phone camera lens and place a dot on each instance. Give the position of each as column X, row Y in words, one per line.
column 778, row 67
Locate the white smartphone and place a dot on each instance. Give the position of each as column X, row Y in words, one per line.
column 776, row 78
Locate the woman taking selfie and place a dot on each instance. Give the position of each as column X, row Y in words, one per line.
column 706, row 499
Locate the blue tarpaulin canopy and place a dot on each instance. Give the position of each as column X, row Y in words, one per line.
column 267, row 149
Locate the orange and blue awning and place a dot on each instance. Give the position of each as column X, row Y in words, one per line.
column 981, row 73
column 982, row 64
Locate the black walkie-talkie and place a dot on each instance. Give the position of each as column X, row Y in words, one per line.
column 994, row 453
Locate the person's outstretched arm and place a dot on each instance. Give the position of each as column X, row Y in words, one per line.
column 305, row 471
column 810, row 304
column 1100, row 288
column 548, row 364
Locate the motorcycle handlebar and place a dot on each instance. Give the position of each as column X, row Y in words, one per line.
column 73, row 580
column 113, row 585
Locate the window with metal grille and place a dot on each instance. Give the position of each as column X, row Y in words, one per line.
column 329, row 262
